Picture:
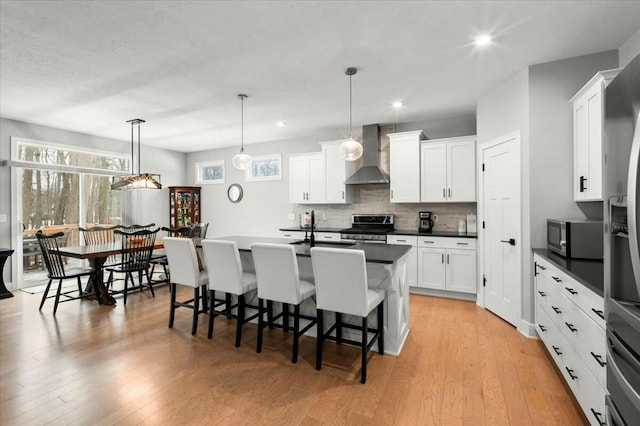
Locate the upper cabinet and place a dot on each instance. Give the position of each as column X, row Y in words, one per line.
column 588, row 131
column 404, row 166
column 306, row 179
column 448, row 170
column 335, row 173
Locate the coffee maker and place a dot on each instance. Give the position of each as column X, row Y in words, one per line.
column 426, row 222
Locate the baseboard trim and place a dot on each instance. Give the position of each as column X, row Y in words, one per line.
column 443, row 293
column 528, row 329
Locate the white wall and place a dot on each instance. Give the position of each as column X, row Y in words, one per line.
column 150, row 206
column 629, row 49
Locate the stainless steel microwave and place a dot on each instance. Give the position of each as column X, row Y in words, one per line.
column 576, row 239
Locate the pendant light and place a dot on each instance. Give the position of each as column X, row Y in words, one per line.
column 350, row 149
column 242, row 160
column 140, row 180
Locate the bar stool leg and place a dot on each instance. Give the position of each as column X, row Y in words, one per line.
column 172, row 309
column 381, row 328
column 227, row 302
column 270, row 314
column 296, row 332
column 319, row 338
column 260, row 324
column 338, row 328
column 240, row 320
column 212, row 296
column 363, row 374
column 196, row 305
column 285, row 317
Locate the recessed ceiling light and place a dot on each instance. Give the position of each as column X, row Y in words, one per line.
column 397, row 104
column 281, row 124
column 483, row 40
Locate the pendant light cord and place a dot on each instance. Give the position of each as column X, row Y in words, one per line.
column 350, row 111
column 139, row 168
column 242, row 123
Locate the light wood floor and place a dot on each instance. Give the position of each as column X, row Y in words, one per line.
column 106, row 365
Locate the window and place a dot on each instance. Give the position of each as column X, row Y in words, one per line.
column 210, row 172
column 265, row 167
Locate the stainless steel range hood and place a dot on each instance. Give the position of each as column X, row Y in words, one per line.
column 370, row 172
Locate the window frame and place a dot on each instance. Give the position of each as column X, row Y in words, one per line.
column 199, row 167
column 249, row 176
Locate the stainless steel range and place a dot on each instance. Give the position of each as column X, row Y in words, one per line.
column 372, row 228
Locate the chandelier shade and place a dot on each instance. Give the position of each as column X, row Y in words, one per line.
column 242, row 160
column 139, row 180
column 350, row 149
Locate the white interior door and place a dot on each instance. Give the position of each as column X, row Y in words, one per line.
column 501, row 211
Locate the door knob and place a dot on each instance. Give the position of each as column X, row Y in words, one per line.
column 510, row 241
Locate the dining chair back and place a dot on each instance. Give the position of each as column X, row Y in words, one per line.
column 49, row 246
column 183, row 263
column 199, row 230
column 135, row 256
column 102, row 235
column 342, row 287
column 224, row 268
column 135, row 227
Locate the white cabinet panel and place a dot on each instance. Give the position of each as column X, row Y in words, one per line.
column 448, row 170
column 461, row 270
column 335, row 173
column 306, row 179
column 446, row 263
column 431, row 268
column 412, row 260
column 404, row 166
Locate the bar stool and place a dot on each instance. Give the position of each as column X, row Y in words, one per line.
column 342, row 287
column 183, row 262
column 225, row 274
column 279, row 281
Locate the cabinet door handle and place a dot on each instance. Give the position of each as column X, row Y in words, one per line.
column 556, row 310
column 401, row 241
column 343, row 195
column 428, row 242
column 572, row 291
column 582, row 185
column 449, row 192
column 442, row 258
column 447, row 259
column 444, row 193
column 599, row 359
column 462, row 244
column 542, row 327
column 597, row 416
column 571, row 327
column 542, row 267
column 570, row 371
column 598, row 312
column 392, row 194
column 556, row 279
column 542, row 293
column 556, row 350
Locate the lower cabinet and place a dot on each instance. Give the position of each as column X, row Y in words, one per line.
column 446, row 263
column 412, row 261
column 569, row 321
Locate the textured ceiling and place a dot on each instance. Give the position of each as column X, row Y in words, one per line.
column 89, row 66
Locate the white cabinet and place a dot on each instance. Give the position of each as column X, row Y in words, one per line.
column 404, row 166
column 412, row 260
column 588, row 132
column 335, row 173
column 570, row 322
column 446, row 263
column 306, row 178
column 448, row 170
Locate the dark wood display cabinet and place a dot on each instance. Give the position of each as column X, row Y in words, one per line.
column 184, row 205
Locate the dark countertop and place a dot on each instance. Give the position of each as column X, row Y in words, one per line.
column 316, row 229
column 433, row 233
column 373, row 252
column 587, row 272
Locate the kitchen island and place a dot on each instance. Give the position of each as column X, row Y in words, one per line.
column 386, row 268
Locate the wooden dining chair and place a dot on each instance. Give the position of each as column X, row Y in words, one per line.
column 49, row 245
column 159, row 257
column 135, row 257
column 135, row 227
column 199, row 230
column 102, row 235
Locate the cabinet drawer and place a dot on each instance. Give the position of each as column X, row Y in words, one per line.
column 292, row 235
column 327, row 236
column 446, row 242
column 588, row 392
column 589, row 343
column 411, row 240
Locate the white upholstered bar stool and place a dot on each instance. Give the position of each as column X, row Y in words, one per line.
column 225, row 274
column 183, row 262
column 279, row 281
column 342, row 287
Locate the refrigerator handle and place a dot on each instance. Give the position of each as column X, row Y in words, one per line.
column 632, row 205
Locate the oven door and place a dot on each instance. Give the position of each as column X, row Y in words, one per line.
column 557, row 236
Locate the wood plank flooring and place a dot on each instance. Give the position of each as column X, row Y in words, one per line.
column 102, row 365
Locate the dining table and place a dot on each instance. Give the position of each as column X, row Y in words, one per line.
column 97, row 255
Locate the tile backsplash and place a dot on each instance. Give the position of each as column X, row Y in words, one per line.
column 374, row 199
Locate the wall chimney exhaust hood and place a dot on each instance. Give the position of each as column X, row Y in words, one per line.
column 370, row 172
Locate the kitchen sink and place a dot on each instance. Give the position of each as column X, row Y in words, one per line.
column 334, row 244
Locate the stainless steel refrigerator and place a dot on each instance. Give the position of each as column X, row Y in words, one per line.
column 622, row 257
